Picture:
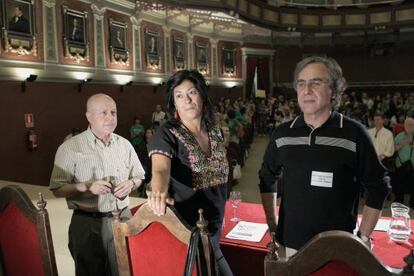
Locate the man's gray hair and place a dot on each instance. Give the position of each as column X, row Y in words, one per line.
column 337, row 82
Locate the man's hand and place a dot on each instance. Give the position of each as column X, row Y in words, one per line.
column 123, row 189
column 269, row 206
column 369, row 244
column 370, row 217
column 100, row 187
column 365, row 239
column 271, row 223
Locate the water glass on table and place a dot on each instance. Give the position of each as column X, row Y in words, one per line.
column 400, row 227
column 235, row 199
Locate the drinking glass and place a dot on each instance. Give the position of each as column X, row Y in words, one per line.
column 235, row 199
column 148, row 189
column 112, row 199
column 400, row 228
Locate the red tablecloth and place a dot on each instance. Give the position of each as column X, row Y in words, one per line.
column 247, row 258
column 244, row 258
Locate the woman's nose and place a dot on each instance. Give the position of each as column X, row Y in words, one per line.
column 187, row 98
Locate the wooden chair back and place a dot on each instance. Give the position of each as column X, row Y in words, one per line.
column 329, row 253
column 148, row 244
column 26, row 246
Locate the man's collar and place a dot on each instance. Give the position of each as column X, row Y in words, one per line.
column 335, row 120
column 93, row 139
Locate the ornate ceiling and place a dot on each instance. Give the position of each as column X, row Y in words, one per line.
column 291, row 21
column 331, row 3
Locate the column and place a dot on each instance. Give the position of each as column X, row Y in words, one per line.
column 190, row 52
column 49, row 31
column 135, row 51
column 98, row 15
column 244, row 73
column 214, row 65
column 167, row 49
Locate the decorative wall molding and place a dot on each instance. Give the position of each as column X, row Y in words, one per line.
column 257, row 52
column 49, row 3
column 100, row 48
column 49, row 30
column 281, row 18
column 98, row 13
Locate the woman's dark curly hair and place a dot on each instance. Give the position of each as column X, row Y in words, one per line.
column 200, row 84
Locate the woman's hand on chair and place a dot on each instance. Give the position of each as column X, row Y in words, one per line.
column 158, row 200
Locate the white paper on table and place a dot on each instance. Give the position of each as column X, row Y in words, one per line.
column 382, row 225
column 248, row 231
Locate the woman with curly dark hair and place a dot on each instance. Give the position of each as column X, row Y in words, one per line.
column 189, row 165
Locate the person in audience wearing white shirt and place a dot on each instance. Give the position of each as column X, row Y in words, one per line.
column 382, row 138
column 158, row 115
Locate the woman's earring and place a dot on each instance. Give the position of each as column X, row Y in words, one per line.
column 176, row 116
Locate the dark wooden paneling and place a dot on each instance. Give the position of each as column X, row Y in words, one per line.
column 57, row 108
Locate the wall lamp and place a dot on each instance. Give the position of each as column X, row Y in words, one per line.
column 80, row 85
column 126, row 84
column 30, row 78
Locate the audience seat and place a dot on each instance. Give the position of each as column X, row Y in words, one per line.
column 330, row 253
column 26, row 246
column 148, row 244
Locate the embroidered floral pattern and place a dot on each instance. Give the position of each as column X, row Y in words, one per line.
column 207, row 170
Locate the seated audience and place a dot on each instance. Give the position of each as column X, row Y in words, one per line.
column 404, row 157
column 136, row 132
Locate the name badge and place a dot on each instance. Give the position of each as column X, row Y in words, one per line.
column 322, row 179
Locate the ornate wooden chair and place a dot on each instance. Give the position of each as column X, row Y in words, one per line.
column 148, row 244
column 26, row 246
column 330, row 253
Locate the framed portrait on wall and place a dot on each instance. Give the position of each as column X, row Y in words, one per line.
column 179, row 52
column 18, row 23
column 228, row 58
column 75, row 35
column 118, row 42
column 201, row 52
column 152, row 48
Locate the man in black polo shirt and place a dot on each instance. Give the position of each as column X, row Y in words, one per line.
column 326, row 158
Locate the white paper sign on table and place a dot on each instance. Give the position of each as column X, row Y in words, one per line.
column 248, row 231
column 382, row 225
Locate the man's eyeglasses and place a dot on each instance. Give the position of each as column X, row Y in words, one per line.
column 312, row 83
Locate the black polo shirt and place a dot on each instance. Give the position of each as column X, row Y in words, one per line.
column 324, row 169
